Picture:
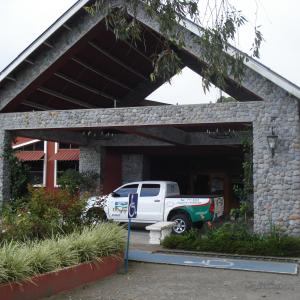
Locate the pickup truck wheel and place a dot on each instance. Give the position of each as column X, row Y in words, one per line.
column 182, row 223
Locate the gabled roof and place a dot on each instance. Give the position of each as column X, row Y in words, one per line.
column 77, row 63
column 42, row 38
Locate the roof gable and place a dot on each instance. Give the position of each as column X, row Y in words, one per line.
column 46, row 75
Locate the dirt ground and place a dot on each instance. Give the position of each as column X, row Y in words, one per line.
column 151, row 281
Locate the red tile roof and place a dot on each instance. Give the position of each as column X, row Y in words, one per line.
column 66, row 154
column 29, row 155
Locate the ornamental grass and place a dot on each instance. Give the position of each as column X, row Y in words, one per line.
column 21, row 261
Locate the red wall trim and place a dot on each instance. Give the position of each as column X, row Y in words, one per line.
column 112, row 171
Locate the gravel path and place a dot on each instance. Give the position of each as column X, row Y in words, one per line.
column 150, row 281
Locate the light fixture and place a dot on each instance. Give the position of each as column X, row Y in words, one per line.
column 272, row 141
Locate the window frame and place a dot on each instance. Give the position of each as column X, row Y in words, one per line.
column 153, row 184
column 124, row 186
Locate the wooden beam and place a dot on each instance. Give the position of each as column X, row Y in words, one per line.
column 119, row 62
column 165, row 134
column 84, row 86
column 29, row 61
column 101, row 74
column 63, row 136
column 65, row 98
column 133, row 48
column 36, row 105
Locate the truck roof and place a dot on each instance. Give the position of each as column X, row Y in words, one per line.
column 150, row 182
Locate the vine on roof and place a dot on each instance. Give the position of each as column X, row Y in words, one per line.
column 219, row 23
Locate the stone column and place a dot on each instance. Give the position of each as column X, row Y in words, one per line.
column 91, row 160
column 277, row 179
column 5, row 143
column 135, row 167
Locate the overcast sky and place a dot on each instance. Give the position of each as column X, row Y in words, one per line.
column 21, row 21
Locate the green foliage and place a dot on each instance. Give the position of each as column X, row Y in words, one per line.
column 237, row 239
column 95, row 215
column 20, row 261
column 73, row 181
column 242, row 213
column 19, row 176
column 44, row 213
column 165, row 63
column 14, row 263
column 244, row 192
column 222, row 22
column 224, row 99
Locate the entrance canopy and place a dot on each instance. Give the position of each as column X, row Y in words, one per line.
column 78, row 63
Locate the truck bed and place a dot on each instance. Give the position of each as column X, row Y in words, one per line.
column 195, row 196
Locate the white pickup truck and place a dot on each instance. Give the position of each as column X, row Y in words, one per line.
column 161, row 201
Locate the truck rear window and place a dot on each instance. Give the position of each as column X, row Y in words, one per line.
column 172, row 189
column 150, row 190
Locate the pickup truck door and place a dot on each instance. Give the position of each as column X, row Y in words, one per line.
column 118, row 204
column 150, row 203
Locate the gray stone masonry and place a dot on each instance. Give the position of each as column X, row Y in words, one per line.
column 276, row 180
column 5, row 142
column 135, row 167
column 132, row 167
column 91, row 160
column 134, row 116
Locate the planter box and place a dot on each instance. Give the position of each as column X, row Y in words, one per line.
column 62, row 280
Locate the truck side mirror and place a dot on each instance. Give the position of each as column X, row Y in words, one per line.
column 114, row 194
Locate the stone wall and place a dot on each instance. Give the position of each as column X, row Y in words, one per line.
column 91, row 160
column 135, row 167
column 276, row 180
column 5, row 142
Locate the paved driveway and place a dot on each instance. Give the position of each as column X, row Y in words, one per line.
column 150, row 281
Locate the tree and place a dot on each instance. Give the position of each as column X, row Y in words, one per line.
column 224, row 99
column 220, row 23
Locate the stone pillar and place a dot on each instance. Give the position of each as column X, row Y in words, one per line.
column 277, row 179
column 91, row 160
column 5, row 143
column 135, row 167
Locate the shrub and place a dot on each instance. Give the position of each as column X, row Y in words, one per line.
column 44, row 213
column 20, row 261
column 75, row 182
column 237, row 239
column 19, row 176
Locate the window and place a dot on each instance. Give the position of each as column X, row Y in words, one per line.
column 127, row 189
column 67, row 146
column 36, row 171
column 172, row 189
column 150, row 190
column 64, row 165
